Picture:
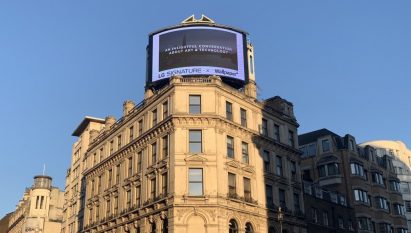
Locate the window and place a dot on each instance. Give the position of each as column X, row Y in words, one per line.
column 402, row 230
column 247, row 189
column 269, row 195
column 266, row 159
column 138, row 195
column 399, row 209
column 154, row 117
column 153, row 188
column 395, row 185
column 330, row 169
column 128, row 198
column 108, row 207
column 99, row 181
column 249, row 228
column 296, row 198
column 130, row 167
column 314, row 215
column 361, row 196
column 230, row 147
column 229, row 110
column 325, row 218
column 291, row 138
column 95, row 158
column 357, row 169
column 281, row 197
column 350, row 226
column 232, row 188
column 382, row 203
column 293, row 170
column 117, row 174
column 140, row 127
column 164, row 184
column 232, row 226
column 37, row 202
column 109, row 178
column 195, row 181
column 408, row 206
column 276, row 132
column 165, row 110
column 118, row 141
column 264, row 127
column 165, row 226
column 385, row 228
column 115, row 205
column 153, row 228
column 111, row 146
column 340, row 222
column 326, row 145
column 92, row 188
column 101, row 153
column 243, row 116
column 153, row 153
column 278, row 166
column 195, row 104
column 131, row 133
column 164, row 142
column 195, row 142
column 364, row 224
column 139, row 157
column 351, row 144
column 244, row 150
column 377, row 178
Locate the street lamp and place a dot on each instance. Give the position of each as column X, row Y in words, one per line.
column 280, row 217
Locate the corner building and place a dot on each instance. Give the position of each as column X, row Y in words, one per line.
column 185, row 161
column 196, row 155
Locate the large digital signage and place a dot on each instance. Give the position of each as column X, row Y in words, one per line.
column 198, row 50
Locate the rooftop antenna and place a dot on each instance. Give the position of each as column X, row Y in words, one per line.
column 44, row 169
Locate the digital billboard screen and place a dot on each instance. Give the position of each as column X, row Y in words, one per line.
column 198, row 50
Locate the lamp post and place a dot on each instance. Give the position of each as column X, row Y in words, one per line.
column 280, row 217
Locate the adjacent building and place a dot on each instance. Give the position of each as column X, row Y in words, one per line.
column 73, row 210
column 401, row 160
column 199, row 154
column 40, row 209
column 356, row 177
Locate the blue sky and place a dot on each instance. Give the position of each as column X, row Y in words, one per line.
column 346, row 66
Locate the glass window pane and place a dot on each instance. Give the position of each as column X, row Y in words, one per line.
column 196, row 175
column 194, row 99
column 195, row 136
column 196, row 189
column 195, row 147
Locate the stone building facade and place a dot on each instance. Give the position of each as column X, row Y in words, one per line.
column 362, row 179
column 401, row 160
column 196, row 156
column 40, row 209
column 73, row 210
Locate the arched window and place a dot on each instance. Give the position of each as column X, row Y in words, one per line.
column 271, row 230
column 165, row 226
column 232, row 226
column 153, row 228
column 249, row 228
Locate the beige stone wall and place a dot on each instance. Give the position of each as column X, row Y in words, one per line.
column 211, row 211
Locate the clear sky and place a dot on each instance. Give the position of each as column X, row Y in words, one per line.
column 346, row 66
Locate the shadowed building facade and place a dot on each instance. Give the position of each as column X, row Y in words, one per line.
column 356, row 177
column 401, row 160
